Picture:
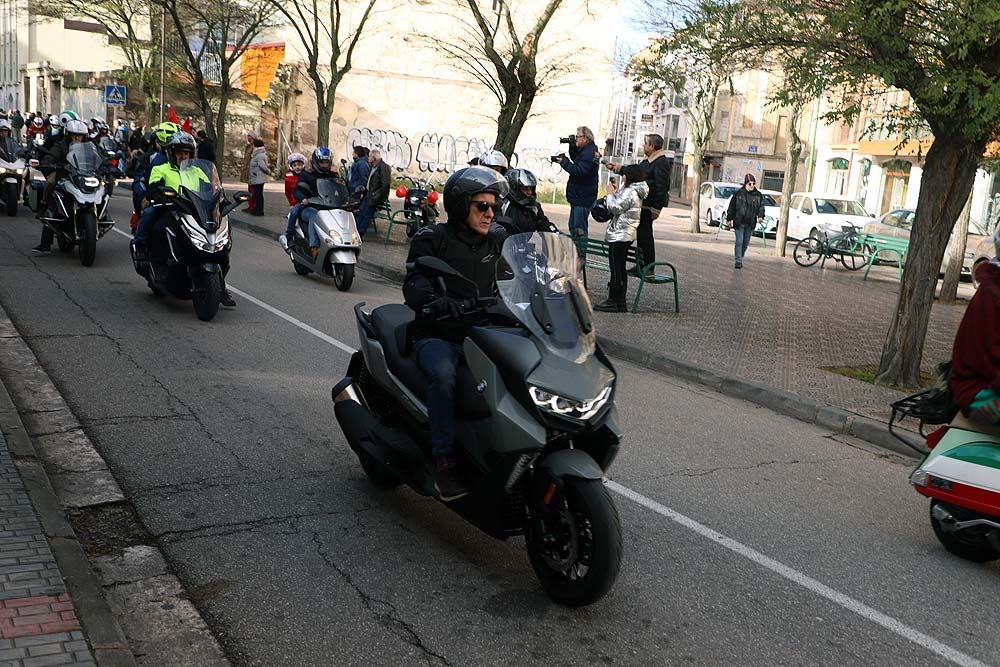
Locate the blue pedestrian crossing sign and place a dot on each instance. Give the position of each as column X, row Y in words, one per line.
column 114, row 96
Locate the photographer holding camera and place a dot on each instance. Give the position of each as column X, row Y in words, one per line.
column 581, row 188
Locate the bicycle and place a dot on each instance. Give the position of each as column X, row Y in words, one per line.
column 845, row 248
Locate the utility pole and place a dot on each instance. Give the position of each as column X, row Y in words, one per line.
column 163, row 49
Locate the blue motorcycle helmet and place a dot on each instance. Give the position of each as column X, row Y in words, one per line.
column 321, row 154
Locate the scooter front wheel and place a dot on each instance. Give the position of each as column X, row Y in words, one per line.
column 576, row 549
column 973, row 543
column 343, row 276
column 206, row 295
column 11, row 191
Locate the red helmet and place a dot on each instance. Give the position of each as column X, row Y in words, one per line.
column 401, row 191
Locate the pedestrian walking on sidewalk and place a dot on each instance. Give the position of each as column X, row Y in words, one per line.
column 625, row 206
column 257, row 175
column 746, row 209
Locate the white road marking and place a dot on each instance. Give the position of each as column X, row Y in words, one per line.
column 861, row 609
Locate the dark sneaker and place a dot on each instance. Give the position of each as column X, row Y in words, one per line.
column 634, row 272
column 739, row 265
column 41, row 250
column 227, row 299
column 448, row 485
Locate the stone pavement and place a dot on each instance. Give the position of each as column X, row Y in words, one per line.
column 38, row 625
column 773, row 324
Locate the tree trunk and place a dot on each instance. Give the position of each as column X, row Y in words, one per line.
column 956, row 255
column 697, row 156
column 949, row 171
column 511, row 123
column 791, row 170
column 220, row 130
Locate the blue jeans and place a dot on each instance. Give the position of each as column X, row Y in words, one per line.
column 743, row 236
column 307, row 216
column 439, row 360
column 146, row 219
column 293, row 216
column 364, row 216
column 578, row 218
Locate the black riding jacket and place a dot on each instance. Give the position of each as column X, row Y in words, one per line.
column 472, row 255
column 518, row 219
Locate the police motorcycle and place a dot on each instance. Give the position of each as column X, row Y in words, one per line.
column 189, row 254
column 340, row 243
column 78, row 212
column 960, row 474
column 12, row 167
column 536, row 423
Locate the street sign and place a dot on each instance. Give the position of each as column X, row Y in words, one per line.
column 114, row 96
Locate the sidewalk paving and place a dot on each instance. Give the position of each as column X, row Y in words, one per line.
column 773, row 325
column 38, row 625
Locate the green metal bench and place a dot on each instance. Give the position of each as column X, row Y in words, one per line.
column 400, row 217
column 596, row 250
column 877, row 243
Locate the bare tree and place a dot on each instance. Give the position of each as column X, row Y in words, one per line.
column 329, row 38
column 131, row 28
column 955, row 255
column 213, row 34
column 506, row 61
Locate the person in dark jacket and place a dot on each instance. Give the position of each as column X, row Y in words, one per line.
column 656, row 169
column 56, row 159
column 320, row 167
column 467, row 244
column 746, row 209
column 380, row 180
column 520, row 212
column 581, row 188
column 357, row 185
column 206, row 147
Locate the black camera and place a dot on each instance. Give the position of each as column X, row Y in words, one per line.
column 555, row 158
column 573, row 149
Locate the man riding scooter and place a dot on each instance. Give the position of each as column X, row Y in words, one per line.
column 471, row 200
column 320, row 167
column 180, row 147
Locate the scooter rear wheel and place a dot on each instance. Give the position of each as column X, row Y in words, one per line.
column 972, row 544
column 577, row 553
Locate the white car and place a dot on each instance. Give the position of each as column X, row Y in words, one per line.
column 714, row 200
column 815, row 214
column 898, row 223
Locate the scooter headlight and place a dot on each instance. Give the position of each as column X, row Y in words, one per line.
column 91, row 181
column 355, row 239
column 919, row 478
column 567, row 407
column 333, row 239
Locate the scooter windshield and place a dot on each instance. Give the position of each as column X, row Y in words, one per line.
column 83, row 158
column 201, row 185
column 540, row 280
column 331, row 192
column 8, row 149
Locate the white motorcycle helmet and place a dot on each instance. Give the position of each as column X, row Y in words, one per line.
column 495, row 160
column 77, row 127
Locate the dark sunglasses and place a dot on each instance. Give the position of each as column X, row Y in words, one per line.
column 483, row 205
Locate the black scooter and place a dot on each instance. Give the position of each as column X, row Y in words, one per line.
column 189, row 255
column 535, row 421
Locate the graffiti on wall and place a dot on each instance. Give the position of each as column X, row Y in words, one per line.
column 445, row 152
column 394, row 147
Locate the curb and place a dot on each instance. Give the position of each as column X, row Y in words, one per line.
column 106, row 637
column 838, row 420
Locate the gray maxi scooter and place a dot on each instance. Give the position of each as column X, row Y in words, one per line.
column 340, row 243
column 536, row 423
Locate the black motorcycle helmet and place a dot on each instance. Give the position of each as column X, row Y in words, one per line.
column 600, row 212
column 321, row 154
column 464, row 184
column 180, row 141
column 521, row 178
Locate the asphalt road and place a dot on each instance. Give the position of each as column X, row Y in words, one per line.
column 750, row 538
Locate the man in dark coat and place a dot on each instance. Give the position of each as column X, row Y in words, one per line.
column 581, row 188
column 206, row 147
column 746, row 209
column 656, row 168
column 380, row 180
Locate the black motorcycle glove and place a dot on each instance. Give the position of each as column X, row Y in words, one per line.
column 443, row 307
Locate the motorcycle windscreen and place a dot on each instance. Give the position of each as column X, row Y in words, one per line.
column 332, row 192
column 8, row 149
column 201, row 185
column 83, row 158
column 540, row 279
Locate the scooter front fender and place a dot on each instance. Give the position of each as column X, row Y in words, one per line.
column 346, row 256
column 196, row 269
column 571, row 463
